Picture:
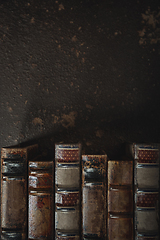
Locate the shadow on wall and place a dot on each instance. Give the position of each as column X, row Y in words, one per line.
column 100, row 131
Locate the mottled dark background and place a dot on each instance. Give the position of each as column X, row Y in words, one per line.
column 85, row 71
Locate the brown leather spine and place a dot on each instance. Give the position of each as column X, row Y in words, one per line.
column 94, row 196
column 67, row 191
column 146, row 189
column 14, row 190
column 120, row 200
column 40, row 212
column 146, row 181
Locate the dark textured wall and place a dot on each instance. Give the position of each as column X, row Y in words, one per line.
column 80, row 71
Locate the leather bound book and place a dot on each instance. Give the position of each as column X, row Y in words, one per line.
column 146, row 184
column 67, row 191
column 146, row 181
column 120, row 200
column 40, row 197
column 14, row 191
column 94, row 196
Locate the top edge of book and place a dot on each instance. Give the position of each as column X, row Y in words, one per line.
column 67, row 145
column 135, row 150
column 120, row 161
column 17, row 150
column 67, row 153
column 20, row 146
column 147, row 146
column 93, row 157
column 40, row 164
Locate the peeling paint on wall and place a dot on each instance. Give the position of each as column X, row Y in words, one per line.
column 38, row 121
column 150, row 34
column 99, row 133
column 89, row 106
column 66, row 120
column 61, row 7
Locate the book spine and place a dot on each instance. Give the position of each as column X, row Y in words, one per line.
column 14, row 191
column 40, row 211
column 67, row 191
column 120, row 200
column 146, row 182
column 94, row 196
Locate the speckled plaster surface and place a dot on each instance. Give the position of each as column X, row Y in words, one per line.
column 83, row 71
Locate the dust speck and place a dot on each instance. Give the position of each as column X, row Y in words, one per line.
column 34, row 65
column 9, row 109
column 88, row 143
column 77, row 53
column 61, row 7
column 89, row 106
column 74, row 38
column 83, row 60
column 142, row 32
column 99, row 133
column 32, row 20
column 68, row 120
column 37, row 120
column 56, row 119
column 150, row 32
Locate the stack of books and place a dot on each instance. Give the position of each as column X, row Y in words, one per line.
column 80, row 196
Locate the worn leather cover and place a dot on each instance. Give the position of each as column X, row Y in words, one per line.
column 66, row 176
column 67, row 191
column 94, row 196
column 147, row 176
column 146, row 220
column 120, row 200
column 120, row 227
column 14, row 190
column 40, row 211
column 67, row 219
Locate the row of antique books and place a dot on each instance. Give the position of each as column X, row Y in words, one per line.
column 77, row 196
